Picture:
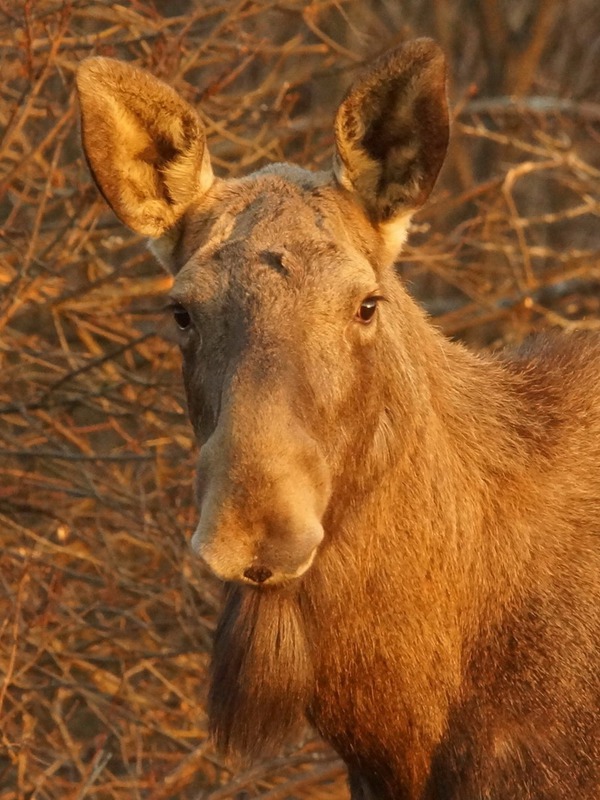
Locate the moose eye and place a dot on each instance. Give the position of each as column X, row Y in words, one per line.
column 366, row 310
column 181, row 317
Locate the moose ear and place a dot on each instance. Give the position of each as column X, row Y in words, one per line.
column 145, row 146
column 391, row 135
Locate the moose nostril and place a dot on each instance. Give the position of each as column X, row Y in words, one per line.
column 258, row 574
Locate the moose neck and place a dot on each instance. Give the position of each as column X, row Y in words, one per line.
column 414, row 555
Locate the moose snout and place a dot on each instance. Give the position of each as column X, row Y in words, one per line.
column 264, row 552
column 261, row 516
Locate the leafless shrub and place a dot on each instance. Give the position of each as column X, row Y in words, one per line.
column 105, row 622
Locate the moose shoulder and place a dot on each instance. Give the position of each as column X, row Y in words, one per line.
column 409, row 532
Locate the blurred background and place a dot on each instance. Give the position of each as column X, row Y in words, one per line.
column 105, row 620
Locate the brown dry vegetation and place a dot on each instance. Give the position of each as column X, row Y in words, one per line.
column 105, row 620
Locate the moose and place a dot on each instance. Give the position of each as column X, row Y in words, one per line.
column 408, row 532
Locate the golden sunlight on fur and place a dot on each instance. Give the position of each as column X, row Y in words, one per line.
column 409, row 532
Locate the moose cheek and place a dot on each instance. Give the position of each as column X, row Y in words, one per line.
column 202, row 405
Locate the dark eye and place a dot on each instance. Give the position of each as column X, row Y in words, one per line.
column 367, row 309
column 181, row 317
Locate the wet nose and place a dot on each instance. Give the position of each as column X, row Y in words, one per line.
column 258, row 574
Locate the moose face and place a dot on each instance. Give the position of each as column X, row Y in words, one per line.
column 284, row 295
column 279, row 312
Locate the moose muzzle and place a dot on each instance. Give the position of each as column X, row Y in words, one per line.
column 263, row 488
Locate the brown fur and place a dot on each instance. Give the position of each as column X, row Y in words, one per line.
column 409, row 532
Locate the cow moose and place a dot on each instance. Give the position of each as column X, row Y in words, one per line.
column 408, row 532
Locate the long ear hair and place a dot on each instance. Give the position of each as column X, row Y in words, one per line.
column 145, row 145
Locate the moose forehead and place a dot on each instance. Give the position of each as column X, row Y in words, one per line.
column 282, row 230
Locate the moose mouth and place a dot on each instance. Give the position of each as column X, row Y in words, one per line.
column 264, row 576
column 274, row 567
